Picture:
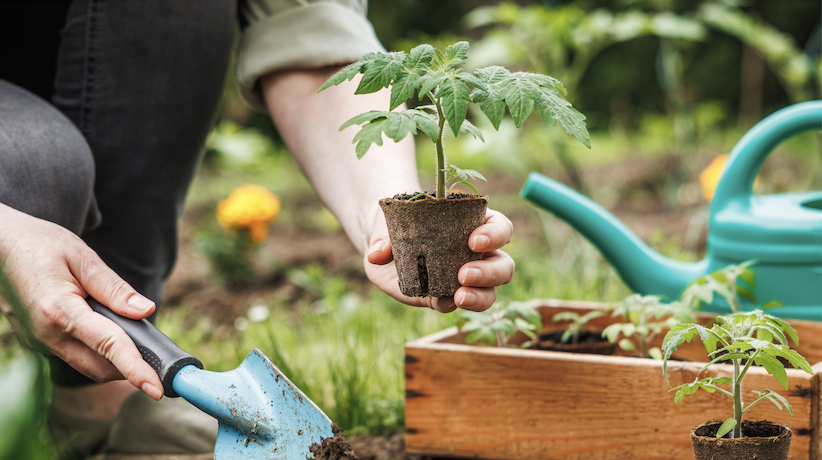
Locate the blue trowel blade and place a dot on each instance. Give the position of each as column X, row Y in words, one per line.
column 262, row 415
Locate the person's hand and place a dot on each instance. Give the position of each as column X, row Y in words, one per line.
column 53, row 272
column 478, row 278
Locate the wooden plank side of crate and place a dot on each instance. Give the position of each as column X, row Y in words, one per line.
column 816, row 413
column 516, row 404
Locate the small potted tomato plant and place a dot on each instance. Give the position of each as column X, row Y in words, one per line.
column 429, row 231
column 744, row 339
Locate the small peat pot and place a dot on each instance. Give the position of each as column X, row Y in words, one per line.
column 590, row 342
column 761, row 440
column 429, row 238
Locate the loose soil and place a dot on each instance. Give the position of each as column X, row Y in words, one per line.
column 590, row 342
column 333, row 448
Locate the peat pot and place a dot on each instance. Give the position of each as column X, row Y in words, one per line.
column 470, row 401
column 761, row 440
column 429, row 238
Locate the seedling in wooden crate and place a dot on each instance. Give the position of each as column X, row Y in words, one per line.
column 643, row 318
column 576, row 323
column 496, row 326
column 745, row 339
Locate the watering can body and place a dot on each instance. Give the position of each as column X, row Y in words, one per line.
column 782, row 232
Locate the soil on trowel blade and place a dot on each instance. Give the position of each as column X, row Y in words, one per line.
column 336, row 448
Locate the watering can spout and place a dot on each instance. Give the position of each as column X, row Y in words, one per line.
column 642, row 268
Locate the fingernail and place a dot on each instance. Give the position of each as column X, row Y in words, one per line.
column 466, row 298
column 379, row 246
column 140, row 304
column 471, row 276
column 481, row 242
column 152, row 391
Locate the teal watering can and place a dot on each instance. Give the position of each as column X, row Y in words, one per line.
column 782, row 232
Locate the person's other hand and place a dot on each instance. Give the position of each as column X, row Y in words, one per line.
column 479, row 278
column 53, row 272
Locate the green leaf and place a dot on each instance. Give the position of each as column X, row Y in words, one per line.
column 655, row 353
column 492, row 102
column 627, row 345
column 773, row 367
column 379, row 73
column 454, row 97
column 426, row 122
column 468, row 127
column 727, row 426
column 519, row 92
column 797, row 360
column 430, row 81
column 457, row 52
column 420, row 57
column 347, row 73
column 773, row 304
column 565, row 316
column 747, row 275
column 403, row 89
column 398, row 126
column 554, row 108
column 363, row 117
column 465, row 183
column 371, row 133
column 746, row 293
column 466, row 174
column 611, row 333
column 566, row 335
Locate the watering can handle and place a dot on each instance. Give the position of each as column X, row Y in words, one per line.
column 749, row 154
column 160, row 352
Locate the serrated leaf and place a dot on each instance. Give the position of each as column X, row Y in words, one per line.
column 420, row 57
column 363, row 117
column 454, row 97
column 727, row 426
column 403, row 89
column 430, row 81
column 776, row 398
column 468, row 127
column 466, row 174
column 519, row 92
column 773, row 367
column 457, row 51
column 399, row 125
column 553, row 107
column 347, row 73
column 426, row 122
column 490, row 98
column 370, row 133
column 797, row 360
column 379, row 73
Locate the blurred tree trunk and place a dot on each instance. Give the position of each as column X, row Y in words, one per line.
column 751, row 79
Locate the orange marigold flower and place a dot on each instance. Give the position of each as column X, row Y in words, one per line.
column 249, row 207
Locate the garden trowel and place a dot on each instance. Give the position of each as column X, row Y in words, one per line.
column 262, row 415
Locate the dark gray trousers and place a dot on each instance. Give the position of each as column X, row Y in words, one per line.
column 111, row 156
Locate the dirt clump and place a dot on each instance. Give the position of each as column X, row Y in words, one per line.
column 333, row 448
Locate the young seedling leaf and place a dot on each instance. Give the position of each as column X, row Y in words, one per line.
column 773, row 367
column 655, row 353
column 403, row 89
column 379, row 73
column 347, row 73
column 362, row 118
column 519, row 92
column 371, row 133
column 553, row 108
column 420, row 58
column 468, row 127
column 454, row 97
column 627, row 345
column 727, row 426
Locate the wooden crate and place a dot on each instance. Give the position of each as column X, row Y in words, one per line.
column 491, row 403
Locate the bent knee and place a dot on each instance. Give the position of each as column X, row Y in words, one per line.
column 46, row 166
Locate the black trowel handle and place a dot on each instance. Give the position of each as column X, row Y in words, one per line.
column 158, row 351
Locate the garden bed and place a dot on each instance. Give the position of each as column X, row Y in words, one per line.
column 470, row 401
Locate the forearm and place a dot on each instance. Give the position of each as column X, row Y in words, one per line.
column 309, row 124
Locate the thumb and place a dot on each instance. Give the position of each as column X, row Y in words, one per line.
column 379, row 247
column 104, row 285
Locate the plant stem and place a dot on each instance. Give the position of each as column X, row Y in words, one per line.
column 737, row 401
column 440, row 153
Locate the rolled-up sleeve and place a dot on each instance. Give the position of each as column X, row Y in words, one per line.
column 291, row 34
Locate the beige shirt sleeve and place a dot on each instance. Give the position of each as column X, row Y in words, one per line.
column 292, row 34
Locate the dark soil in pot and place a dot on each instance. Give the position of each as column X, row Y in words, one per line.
column 429, row 238
column 761, row 440
column 590, row 342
